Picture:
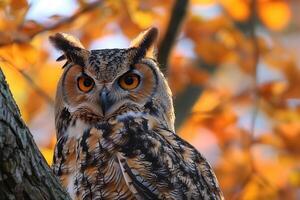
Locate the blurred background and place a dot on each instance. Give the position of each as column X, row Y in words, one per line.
column 233, row 66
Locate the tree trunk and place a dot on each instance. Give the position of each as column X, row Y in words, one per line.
column 24, row 173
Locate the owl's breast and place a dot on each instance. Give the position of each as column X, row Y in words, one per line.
column 77, row 128
column 87, row 167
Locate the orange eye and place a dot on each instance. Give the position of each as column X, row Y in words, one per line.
column 85, row 83
column 129, row 81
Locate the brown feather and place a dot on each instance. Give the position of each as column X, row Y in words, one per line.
column 72, row 48
column 145, row 43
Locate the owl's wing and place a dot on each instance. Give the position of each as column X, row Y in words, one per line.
column 136, row 183
column 157, row 164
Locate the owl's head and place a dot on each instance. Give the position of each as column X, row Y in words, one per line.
column 100, row 84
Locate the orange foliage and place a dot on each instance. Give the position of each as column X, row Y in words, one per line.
column 247, row 126
column 203, row 2
column 238, row 9
column 275, row 14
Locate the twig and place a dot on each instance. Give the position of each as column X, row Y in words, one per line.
column 255, row 53
column 177, row 16
column 255, row 65
column 37, row 89
column 56, row 25
column 31, row 82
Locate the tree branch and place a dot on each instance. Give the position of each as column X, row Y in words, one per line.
column 56, row 25
column 24, row 173
column 36, row 87
column 255, row 56
column 164, row 50
column 251, row 24
column 184, row 102
column 177, row 16
column 31, row 82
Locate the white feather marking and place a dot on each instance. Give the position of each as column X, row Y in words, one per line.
column 78, row 129
column 70, row 186
column 126, row 176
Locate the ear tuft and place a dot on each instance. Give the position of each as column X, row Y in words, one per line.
column 60, row 58
column 72, row 48
column 65, row 42
column 145, row 42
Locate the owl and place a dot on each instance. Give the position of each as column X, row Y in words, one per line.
column 114, row 119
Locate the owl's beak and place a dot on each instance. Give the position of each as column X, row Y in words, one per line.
column 106, row 101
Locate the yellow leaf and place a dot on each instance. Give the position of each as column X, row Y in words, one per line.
column 275, row 14
column 143, row 18
column 18, row 4
column 48, row 77
column 48, row 154
column 238, row 9
column 294, row 178
column 20, row 56
column 24, row 54
column 203, row 2
column 207, row 102
column 16, row 82
column 257, row 189
column 4, row 3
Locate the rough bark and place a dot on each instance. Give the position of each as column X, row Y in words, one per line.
column 24, row 173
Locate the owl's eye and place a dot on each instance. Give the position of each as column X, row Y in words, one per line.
column 129, row 81
column 85, row 83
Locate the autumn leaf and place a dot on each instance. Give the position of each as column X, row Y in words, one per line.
column 276, row 15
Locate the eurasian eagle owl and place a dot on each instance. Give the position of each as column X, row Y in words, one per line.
column 115, row 127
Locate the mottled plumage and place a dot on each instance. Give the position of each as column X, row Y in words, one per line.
column 115, row 128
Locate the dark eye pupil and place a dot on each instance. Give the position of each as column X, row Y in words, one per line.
column 128, row 80
column 87, row 82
